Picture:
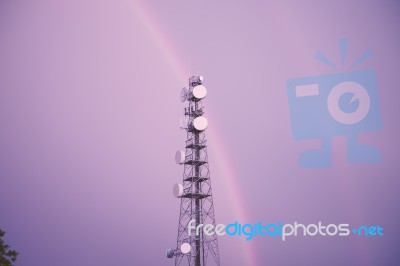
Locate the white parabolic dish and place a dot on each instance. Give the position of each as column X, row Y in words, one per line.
column 180, row 157
column 199, row 92
column 178, row 190
column 200, row 123
column 186, row 248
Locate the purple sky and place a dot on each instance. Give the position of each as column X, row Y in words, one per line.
column 89, row 111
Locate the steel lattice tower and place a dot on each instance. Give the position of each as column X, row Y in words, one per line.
column 195, row 191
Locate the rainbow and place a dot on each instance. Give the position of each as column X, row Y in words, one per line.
column 177, row 66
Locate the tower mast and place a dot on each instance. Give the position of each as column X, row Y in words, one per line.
column 194, row 247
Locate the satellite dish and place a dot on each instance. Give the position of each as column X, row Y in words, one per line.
column 199, row 92
column 185, row 248
column 180, row 157
column 170, row 253
column 178, row 190
column 183, row 94
column 200, row 123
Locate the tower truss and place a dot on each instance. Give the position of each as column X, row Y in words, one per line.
column 195, row 193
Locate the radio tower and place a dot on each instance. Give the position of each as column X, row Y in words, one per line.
column 195, row 191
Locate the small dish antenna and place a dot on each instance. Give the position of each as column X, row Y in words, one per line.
column 199, row 92
column 170, row 253
column 180, row 157
column 200, row 123
column 186, row 248
column 178, row 190
column 184, row 93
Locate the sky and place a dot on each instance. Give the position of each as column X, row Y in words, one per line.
column 90, row 110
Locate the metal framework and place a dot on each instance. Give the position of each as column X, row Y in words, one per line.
column 196, row 201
